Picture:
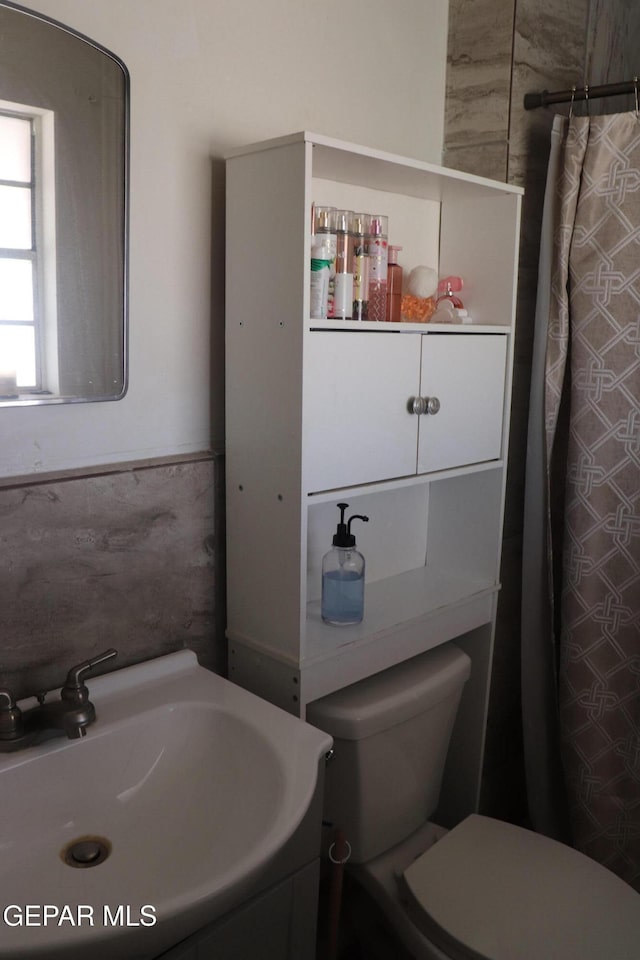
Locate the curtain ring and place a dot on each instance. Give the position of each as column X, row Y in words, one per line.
column 635, row 92
column 573, row 97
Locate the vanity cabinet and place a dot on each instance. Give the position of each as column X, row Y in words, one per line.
column 407, row 423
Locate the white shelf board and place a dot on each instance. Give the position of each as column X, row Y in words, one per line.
column 390, row 604
column 379, row 486
column 378, row 327
column 352, row 163
column 356, row 661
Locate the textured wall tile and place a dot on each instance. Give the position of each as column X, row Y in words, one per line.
column 127, row 559
column 549, row 40
column 548, row 54
column 613, row 49
column 482, row 159
column 478, row 71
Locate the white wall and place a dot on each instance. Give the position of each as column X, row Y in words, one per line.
column 207, row 75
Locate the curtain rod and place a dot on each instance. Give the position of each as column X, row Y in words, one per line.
column 534, row 100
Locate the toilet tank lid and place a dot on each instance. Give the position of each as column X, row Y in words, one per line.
column 494, row 890
column 392, row 696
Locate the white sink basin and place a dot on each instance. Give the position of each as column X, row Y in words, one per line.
column 193, row 783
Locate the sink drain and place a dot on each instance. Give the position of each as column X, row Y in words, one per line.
column 86, row 852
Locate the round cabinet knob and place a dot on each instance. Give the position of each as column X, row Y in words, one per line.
column 422, row 405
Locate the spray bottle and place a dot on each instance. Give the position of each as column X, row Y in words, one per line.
column 343, row 575
column 343, row 297
column 325, row 236
column 394, row 286
column 359, row 265
column 377, row 251
column 321, row 259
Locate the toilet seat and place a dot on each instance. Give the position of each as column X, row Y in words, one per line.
column 489, row 890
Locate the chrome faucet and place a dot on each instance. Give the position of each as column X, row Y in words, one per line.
column 70, row 715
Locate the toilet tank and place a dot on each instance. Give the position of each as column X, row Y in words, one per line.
column 391, row 735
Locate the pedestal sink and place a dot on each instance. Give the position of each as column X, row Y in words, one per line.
column 157, row 822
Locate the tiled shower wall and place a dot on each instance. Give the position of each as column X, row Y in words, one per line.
column 498, row 51
column 130, row 557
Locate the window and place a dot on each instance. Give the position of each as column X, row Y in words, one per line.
column 27, row 308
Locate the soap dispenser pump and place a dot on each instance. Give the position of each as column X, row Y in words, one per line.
column 343, row 575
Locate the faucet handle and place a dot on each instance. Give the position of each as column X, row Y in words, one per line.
column 11, row 726
column 74, row 688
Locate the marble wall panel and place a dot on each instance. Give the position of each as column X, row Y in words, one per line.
column 131, row 558
column 613, row 49
column 548, row 54
column 484, row 159
column 478, row 71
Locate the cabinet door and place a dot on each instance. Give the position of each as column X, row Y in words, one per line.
column 357, row 427
column 466, row 374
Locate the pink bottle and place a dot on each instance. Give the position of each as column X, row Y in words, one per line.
column 447, row 289
column 394, row 286
column 377, row 253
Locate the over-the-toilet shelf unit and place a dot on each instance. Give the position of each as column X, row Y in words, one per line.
column 319, row 412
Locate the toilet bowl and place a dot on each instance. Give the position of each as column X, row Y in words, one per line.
column 486, row 890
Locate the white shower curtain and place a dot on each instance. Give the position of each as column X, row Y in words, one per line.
column 581, row 565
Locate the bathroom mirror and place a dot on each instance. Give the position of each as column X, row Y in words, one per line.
column 64, row 138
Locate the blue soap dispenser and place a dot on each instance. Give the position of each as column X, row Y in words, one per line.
column 343, row 575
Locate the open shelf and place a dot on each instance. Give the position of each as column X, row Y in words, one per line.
column 380, row 170
column 376, row 327
column 397, row 603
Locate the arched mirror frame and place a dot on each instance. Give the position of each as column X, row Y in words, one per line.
column 90, row 354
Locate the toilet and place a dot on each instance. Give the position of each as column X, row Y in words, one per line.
column 486, row 890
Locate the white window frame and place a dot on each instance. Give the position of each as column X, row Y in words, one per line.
column 43, row 251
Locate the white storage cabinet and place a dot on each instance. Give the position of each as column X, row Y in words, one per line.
column 322, row 411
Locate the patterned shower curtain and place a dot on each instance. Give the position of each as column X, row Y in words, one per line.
column 592, row 423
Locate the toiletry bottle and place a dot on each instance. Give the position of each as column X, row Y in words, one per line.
column 321, row 259
column 394, row 286
column 447, row 290
column 323, row 226
column 377, row 253
column 343, row 293
column 343, row 576
column 359, row 265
